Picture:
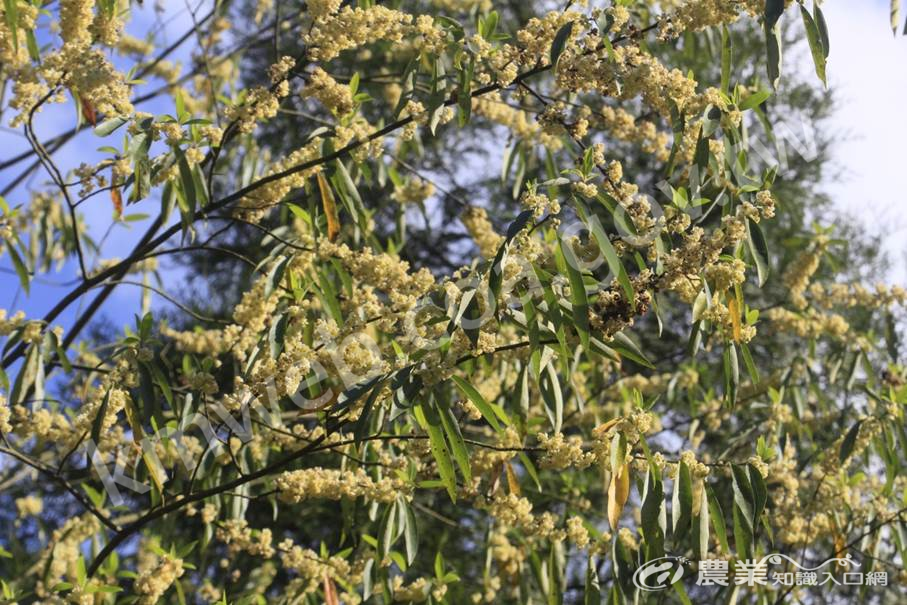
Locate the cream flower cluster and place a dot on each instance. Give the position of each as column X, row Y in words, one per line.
column 239, row 537
column 332, row 484
column 413, row 191
column 563, row 452
column 332, row 34
column 475, row 219
column 152, row 584
column 336, row 97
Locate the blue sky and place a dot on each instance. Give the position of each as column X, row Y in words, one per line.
column 864, row 68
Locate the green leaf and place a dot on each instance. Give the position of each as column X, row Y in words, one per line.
column 464, row 95
column 578, row 299
column 410, row 531
column 748, row 362
column 702, row 525
column 823, row 28
column 11, row 10
column 560, row 41
column 496, row 271
column 773, row 55
column 815, row 44
column 850, row 440
column 554, row 398
column 760, row 493
column 97, row 424
column 21, row 270
column 743, row 535
column 611, row 257
column 276, row 335
column 428, row 419
column 388, row 530
column 682, row 503
column 108, row 126
column 276, row 275
column 592, row 594
column 652, row 515
column 717, row 516
column 32, row 43
column 758, row 248
column 755, row 100
column 725, row 59
column 743, row 495
column 773, row 11
column 455, row 439
column 476, row 398
column 627, row 348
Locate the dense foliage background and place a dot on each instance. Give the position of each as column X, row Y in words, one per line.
column 445, row 301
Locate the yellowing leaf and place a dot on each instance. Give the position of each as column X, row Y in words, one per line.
column 330, row 207
column 512, row 482
column 330, row 591
column 604, row 428
column 618, row 492
column 734, row 312
column 117, row 200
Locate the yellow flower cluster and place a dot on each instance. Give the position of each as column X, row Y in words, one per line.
column 696, row 15
column 152, row 584
column 332, row 484
column 332, row 34
column 239, row 537
column 623, row 125
column 334, row 96
column 413, row 191
column 798, row 273
column 492, row 107
column 809, row 323
column 475, row 219
column 563, row 452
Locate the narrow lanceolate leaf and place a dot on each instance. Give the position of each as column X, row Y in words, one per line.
column 702, row 525
column 116, row 198
column 476, row 398
column 455, row 439
column 773, row 55
column 743, row 495
column 513, row 482
column 21, row 270
column 275, row 276
column 614, row 265
column 731, row 373
column 329, row 206
column 725, row 59
column 98, row 424
column 578, row 299
column 717, row 516
column 593, row 589
column 815, row 43
column 773, row 12
column 430, row 422
column 11, row 12
column 682, row 503
column 410, row 531
column 652, row 515
column 758, row 250
column 734, row 311
column 560, row 41
column 850, row 440
column 895, row 16
column 823, row 28
column 330, row 591
column 618, row 491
